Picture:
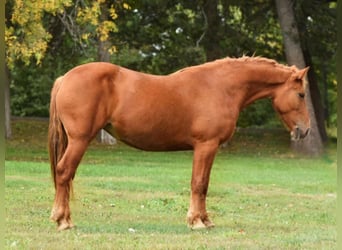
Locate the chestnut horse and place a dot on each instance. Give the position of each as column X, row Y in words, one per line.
column 195, row 108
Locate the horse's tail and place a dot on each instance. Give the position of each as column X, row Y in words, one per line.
column 57, row 138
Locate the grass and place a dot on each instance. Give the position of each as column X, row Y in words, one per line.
column 261, row 196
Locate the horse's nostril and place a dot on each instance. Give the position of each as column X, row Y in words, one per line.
column 307, row 132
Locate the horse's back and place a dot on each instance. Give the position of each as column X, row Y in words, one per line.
column 91, row 73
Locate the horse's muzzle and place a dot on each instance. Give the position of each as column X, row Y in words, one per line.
column 297, row 133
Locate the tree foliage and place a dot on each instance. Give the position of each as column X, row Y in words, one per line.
column 29, row 26
column 25, row 35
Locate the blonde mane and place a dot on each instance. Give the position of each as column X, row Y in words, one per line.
column 258, row 59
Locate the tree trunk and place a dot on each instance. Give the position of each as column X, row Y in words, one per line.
column 211, row 40
column 8, row 129
column 312, row 144
column 321, row 113
column 103, row 56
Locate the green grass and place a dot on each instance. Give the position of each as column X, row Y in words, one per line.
column 261, row 196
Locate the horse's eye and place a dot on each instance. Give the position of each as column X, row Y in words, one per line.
column 301, row 95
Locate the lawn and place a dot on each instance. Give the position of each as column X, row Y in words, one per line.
column 261, row 196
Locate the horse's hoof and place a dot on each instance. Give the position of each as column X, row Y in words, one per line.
column 197, row 224
column 64, row 225
column 208, row 223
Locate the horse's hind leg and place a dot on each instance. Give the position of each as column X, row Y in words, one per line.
column 65, row 173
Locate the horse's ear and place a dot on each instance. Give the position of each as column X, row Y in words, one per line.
column 301, row 73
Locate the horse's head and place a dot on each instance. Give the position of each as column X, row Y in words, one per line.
column 290, row 103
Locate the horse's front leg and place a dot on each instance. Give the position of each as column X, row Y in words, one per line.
column 204, row 154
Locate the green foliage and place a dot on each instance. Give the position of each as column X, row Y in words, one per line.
column 260, row 114
column 30, row 86
column 162, row 38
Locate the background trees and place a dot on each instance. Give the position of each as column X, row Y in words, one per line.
column 44, row 39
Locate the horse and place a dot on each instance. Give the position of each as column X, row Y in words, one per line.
column 195, row 108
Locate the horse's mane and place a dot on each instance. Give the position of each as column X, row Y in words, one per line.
column 244, row 59
column 258, row 60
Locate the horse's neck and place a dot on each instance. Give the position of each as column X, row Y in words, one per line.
column 261, row 82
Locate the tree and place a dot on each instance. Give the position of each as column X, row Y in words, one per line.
column 212, row 37
column 312, row 144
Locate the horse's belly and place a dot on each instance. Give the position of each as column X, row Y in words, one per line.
column 153, row 140
column 156, row 142
column 158, row 147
